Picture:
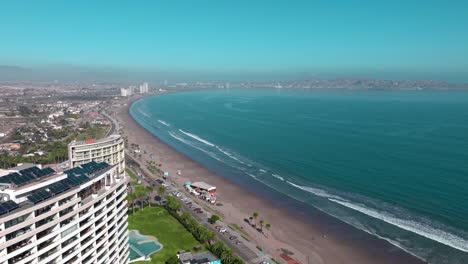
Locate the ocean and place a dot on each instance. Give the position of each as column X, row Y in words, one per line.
column 391, row 163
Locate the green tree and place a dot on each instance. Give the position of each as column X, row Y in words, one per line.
column 226, row 255
column 172, row 203
column 261, row 222
column 213, row 219
column 173, row 260
column 161, row 190
column 268, row 227
column 255, row 216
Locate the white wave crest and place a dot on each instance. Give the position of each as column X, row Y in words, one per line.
column 198, row 138
column 262, row 170
column 277, row 177
column 316, row 191
column 409, row 225
column 164, row 123
column 230, row 155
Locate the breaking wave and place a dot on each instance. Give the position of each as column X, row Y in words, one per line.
column 417, row 227
column 277, row 177
column 164, row 123
column 198, row 138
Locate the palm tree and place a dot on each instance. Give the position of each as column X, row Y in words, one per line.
column 161, row 191
column 210, row 236
column 268, row 226
column 255, row 216
column 148, row 190
column 226, row 255
column 261, row 225
column 218, row 248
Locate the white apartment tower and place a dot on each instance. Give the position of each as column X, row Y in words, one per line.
column 144, row 88
column 110, row 149
column 75, row 216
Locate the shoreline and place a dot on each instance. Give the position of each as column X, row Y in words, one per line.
column 311, row 234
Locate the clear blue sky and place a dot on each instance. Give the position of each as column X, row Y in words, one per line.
column 238, row 35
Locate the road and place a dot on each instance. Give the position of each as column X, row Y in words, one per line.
column 243, row 248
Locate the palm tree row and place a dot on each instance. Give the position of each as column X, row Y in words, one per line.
column 202, row 234
column 261, row 223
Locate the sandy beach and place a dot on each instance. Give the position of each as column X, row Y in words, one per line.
column 312, row 236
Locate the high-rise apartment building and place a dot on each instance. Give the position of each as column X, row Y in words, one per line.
column 109, row 149
column 75, row 216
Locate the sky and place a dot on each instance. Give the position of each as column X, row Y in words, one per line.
column 330, row 36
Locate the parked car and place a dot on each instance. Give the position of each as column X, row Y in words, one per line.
column 232, row 237
column 222, row 230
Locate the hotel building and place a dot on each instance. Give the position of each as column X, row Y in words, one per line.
column 110, row 149
column 75, row 216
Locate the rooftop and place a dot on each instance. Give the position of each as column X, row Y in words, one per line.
column 75, row 177
column 203, row 185
column 195, row 258
column 94, row 141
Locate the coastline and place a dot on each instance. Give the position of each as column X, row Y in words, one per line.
column 313, row 236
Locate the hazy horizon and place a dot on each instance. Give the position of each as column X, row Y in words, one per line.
column 234, row 40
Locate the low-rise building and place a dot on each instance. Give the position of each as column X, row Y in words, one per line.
column 198, row 258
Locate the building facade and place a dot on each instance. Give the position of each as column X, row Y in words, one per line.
column 75, row 216
column 110, row 149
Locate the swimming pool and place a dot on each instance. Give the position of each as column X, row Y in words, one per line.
column 141, row 246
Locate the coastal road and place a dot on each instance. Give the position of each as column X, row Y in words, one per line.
column 244, row 249
column 114, row 124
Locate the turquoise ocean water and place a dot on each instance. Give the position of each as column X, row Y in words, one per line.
column 391, row 163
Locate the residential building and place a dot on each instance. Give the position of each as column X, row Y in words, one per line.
column 144, row 88
column 109, row 149
column 75, row 216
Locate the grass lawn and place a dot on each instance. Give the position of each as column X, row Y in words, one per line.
column 157, row 222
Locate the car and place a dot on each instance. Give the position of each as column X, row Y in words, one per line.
column 238, row 243
column 232, row 237
column 190, row 206
column 222, row 230
column 188, row 202
column 217, row 227
column 199, row 212
column 165, row 185
column 178, row 194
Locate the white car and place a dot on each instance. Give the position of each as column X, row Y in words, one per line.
column 178, row 194
column 165, row 185
column 222, row 230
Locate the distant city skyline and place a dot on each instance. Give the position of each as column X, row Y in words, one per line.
column 394, row 40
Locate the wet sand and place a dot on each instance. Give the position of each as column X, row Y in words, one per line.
column 311, row 235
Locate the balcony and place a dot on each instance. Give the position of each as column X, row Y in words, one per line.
column 86, row 241
column 48, row 254
column 66, row 211
column 43, row 210
column 69, row 241
column 45, row 244
column 18, row 232
column 68, row 252
column 67, row 221
column 84, row 232
column 44, row 233
column 84, row 222
column 73, row 260
column 19, row 257
column 18, row 245
column 44, row 221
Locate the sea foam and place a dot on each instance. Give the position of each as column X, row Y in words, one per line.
column 164, row 123
column 421, row 229
column 198, row 138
